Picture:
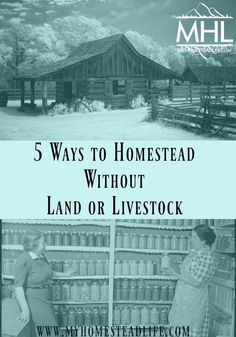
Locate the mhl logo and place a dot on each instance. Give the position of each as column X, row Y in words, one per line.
column 202, row 30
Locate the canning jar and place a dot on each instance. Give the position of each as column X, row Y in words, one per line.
column 95, row 291
column 148, row 293
column 174, row 242
column 91, row 267
column 106, row 239
column 140, row 293
column 117, row 316
column 125, row 315
column 150, row 241
column 133, row 267
column 119, row 240
column 66, row 266
column 135, row 316
column 66, row 239
column 74, row 239
column 99, row 240
column 75, row 292
column 83, row 239
column 104, row 317
column 79, row 316
column 85, row 292
column 126, row 240
column 125, row 293
column 106, row 267
column 144, row 316
column 83, row 268
column 96, row 317
column 158, row 242
column 142, row 242
column 56, row 291
column 125, row 267
column 132, row 293
column 50, row 238
column 99, row 267
column 149, row 268
column 156, row 293
column 171, row 293
column 118, row 267
column 65, row 291
column 164, row 293
column 88, row 317
column 57, row 238
column 141, row 268
column 91, row 239
column 164, row 316
column 71, row 317
column 153, row 316
column 134, row 241
column 104, row 291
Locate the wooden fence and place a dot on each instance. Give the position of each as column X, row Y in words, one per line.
column 15, row 94
column 194, row 93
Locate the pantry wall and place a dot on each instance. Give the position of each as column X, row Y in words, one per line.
column 119, row 279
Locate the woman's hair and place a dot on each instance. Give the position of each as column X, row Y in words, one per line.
column 205, row 233
column 31, row 240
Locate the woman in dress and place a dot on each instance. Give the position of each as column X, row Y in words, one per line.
column 190, row 303
column 33, row 281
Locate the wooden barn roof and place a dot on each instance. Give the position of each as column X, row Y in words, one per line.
column 210, row 74
column 86, row 51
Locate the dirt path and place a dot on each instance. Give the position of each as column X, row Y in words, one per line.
column 107, row 125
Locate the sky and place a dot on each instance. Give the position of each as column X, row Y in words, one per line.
column 155, row 18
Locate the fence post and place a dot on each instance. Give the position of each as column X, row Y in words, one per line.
column 190, row 92
column 224, row 91
column 171, row 84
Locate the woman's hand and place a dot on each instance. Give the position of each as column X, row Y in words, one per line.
column 168, row 270
column 24, row 316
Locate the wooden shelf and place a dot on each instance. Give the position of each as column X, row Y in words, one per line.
column 151, row 251
column 78, row 277
column 59, row 222
column 142, row 302
column 64, row 248
column 152, row 226
column 79, row 303
column 223, row 283
column 146, row 277
column 224, row 252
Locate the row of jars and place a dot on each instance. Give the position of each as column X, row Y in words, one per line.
column 225, row 242
column 82, row 267
column 59, row 238
column 169, row 222
column 151, row 241
column 222, row 296
column 80, row 291
column 139, row 267
column 136, row 315
column 138, row 290
column 79, row 316
column 226, row 267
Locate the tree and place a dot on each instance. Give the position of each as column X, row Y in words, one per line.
column 76, row 29
column 6, row 70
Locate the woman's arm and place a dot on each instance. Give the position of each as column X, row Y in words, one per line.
column 66, row 274
column 25, row 312
column 186, row 279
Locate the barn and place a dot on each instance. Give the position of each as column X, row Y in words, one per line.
column 217, row 75
column 109, row 69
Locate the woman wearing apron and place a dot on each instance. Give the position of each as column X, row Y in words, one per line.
column 190, row 303
column 33, row 281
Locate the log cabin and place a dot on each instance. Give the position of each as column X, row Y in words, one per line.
column 109, row 69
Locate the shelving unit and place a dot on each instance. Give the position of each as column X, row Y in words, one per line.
column 222, row 287
column 114, row 253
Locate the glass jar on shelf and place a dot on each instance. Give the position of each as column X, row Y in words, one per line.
column 125, row 267
column 106, row 239
column 91, row 239
column 149, row 268
column 95, row 294
column 158, row 242
column 104, row 291
column 118, row 267
column 126, row 240
column 75, row 292
column 104, row 316
column 91, row 267
column 142, row 267
column 156, row 293
column 133, row 267
column 125, row 315
column 88, row 321
column 83, row 268
column 83, row 239
column 117, row 315
column 132, row 293
column 66, row 239
column 142, row 242
column 135, row 316
column 99, row 239
column 79, row 316
column 119, row 240
column 85, row 291
column 96, row 317
column 144, row 317
column 106, row 267
column 150, row 241
column 71, row 316
column 148, row 293
column 134, row 241
column 74, row 239
column 99, row 267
